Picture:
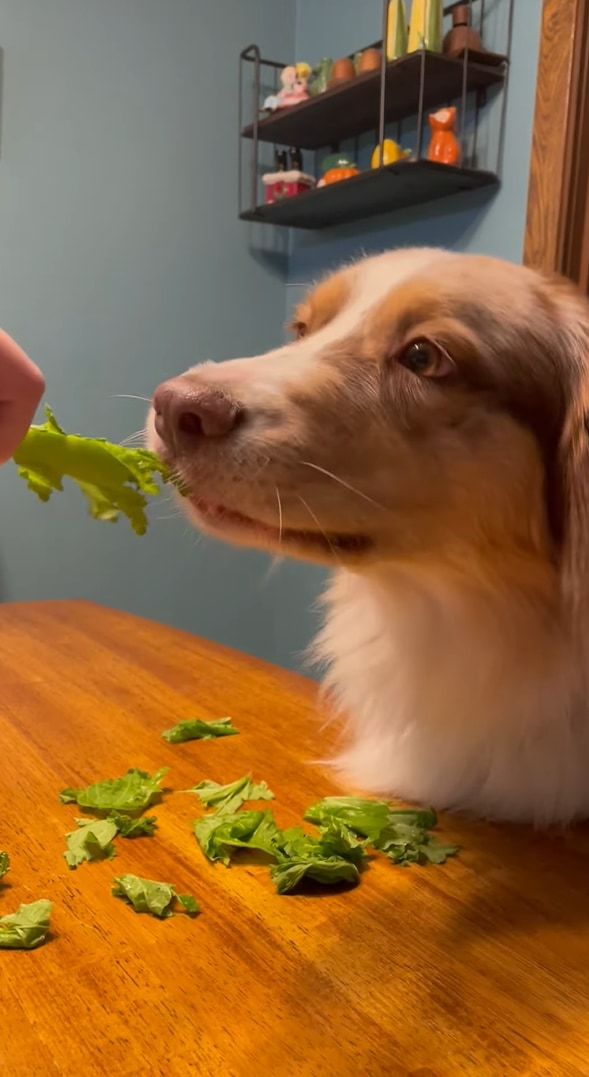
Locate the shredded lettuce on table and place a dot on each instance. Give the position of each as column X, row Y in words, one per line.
column 4, row 864
column 401, row 834
column 91, row 841
column 230, row 797
column 198, row 729
column 128, row 827
column 27, row 927
column 156, row 898
column 113, row 478
column 330, row 858
column 134, row 792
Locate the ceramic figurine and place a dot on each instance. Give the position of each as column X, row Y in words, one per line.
column 337, row 167
column 342, row 71
column 294, row 79
column 396, row 45
column 320, row 77
column 444, row 147
column 425, row 26
column 462, row 35
column 281, row 185
column 391, row 153
column 369, row 60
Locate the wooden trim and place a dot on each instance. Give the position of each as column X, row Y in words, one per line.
column 559, row 167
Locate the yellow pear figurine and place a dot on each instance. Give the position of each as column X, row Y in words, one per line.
column 391, row 152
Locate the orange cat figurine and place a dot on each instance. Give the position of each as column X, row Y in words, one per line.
column 444, row 147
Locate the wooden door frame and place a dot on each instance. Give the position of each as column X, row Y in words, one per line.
column 557, row 223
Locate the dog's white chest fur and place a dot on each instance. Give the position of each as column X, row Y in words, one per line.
column 459, row 697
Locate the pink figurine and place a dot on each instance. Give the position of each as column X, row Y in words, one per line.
column 294, row 79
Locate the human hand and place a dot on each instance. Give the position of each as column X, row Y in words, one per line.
column 21, row 387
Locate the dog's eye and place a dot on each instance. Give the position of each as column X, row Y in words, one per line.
column 299, row 330
column 426, row 359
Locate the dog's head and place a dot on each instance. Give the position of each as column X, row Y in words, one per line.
column 429, row 403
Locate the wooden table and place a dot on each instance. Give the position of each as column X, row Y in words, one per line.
column 477, row 967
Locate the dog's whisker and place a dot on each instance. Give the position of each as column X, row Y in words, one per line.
column 279, row 515
column 131, row 396
column 324, row 533
column 137, row 436
column 342, row 482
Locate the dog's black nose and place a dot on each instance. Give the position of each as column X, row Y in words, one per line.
column 185, row 411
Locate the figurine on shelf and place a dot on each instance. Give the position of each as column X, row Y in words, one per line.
column 320, row 77
column 336, row 168
column 285, row 183
column 294, row 79
column 396, row 44
column 342, row 70
column 462, row 35
column 391, row 154
column 444, row 147
column 425, row 26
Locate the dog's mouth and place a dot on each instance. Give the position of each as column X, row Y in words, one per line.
column 223, row 520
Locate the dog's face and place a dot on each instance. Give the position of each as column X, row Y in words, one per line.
column 428, row 400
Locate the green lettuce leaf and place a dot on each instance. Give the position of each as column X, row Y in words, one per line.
column 219, row 832
column 134, row 792
column 365, row 817
column 27, row 927
column 147, row 895
column 228, row 798
column 197, row 729
column 400, row 833
column 4, row 864
column 406, row 844
column 128, row 827
column 333, row 857
column 114, row 479
column 91, row 841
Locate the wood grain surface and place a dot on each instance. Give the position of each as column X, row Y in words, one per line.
column 480, row 966
column 559, row 132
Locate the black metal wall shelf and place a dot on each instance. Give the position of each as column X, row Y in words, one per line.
column 400, row 90
column 353, row 107
column 381, row 190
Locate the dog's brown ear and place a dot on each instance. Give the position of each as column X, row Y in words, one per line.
column 574, row 476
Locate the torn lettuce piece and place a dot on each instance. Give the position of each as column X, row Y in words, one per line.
column 147, row 895
column 402, row 834
column 406, row 844
column 91, row 841
column 198, row 729
column 128, row 827
column 365, row 817
column 27, row 927
column 333, row 857
column 368, row 817
column 217, row 833
column 228, row 798
column 4, row 864
column 114, row 479
column 134, row 792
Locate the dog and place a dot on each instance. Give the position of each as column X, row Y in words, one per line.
column 425, row 434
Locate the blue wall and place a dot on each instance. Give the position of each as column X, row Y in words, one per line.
column 122, row 261
column 119, row 250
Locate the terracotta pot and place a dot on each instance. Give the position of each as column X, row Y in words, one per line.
column 369, row 60
column 342, row 71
